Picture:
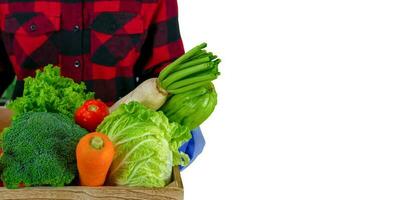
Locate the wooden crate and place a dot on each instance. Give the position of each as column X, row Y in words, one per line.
column 173, row 191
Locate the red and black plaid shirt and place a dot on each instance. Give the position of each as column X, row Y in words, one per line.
column 111, row 45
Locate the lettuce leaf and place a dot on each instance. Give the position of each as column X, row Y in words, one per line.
column 146, row 146
column 50, row 92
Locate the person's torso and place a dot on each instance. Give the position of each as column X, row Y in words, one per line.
column 96, row 41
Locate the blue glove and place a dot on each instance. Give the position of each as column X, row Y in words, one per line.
column 194, row 146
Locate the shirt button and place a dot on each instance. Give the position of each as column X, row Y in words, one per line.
column 76, row 28
column 77, row 63
column 32, row 27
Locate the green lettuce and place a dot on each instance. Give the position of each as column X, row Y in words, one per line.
column 146, row 146
column 50, row 92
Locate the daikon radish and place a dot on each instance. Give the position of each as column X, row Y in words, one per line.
column 194, row 69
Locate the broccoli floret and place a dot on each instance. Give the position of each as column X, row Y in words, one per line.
column 39, row 149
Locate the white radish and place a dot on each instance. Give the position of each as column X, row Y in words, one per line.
column 148, row 93
column 194, row 69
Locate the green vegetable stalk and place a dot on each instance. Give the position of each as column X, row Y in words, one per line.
column 191, row 108
column 39, row 150
column 50, row 92
column 10, row 90
column 194, row 69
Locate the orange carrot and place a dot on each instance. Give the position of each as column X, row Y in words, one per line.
column 94, row 154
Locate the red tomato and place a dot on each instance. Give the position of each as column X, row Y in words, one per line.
column 91, row 114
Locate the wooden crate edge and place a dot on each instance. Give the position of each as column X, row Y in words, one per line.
column 173, row 191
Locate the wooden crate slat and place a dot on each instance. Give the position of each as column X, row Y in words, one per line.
column 173, row 191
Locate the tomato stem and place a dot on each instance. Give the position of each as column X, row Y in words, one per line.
column 93, row 108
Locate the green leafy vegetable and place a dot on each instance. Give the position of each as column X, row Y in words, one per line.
column 8, row 93
column 39, row 149
column 146, row 146
column 50, row 92
column 192, row 70
column 191, row 108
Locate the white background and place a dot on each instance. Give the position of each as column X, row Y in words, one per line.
column 309, row 99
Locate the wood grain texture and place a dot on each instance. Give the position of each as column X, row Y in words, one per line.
column 173, row 191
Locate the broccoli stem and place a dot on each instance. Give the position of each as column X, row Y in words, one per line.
column 97, row 143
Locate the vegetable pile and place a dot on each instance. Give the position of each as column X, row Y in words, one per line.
column 60, row 135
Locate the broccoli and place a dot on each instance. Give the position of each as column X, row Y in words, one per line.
column 39, row 150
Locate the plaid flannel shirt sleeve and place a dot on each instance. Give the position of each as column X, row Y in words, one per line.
column 163, row 42
column 6, row 70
